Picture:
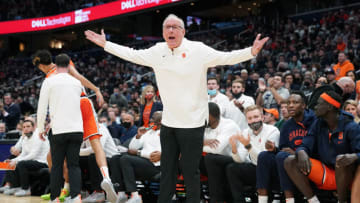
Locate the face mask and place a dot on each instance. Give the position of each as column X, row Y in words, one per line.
column 28, row 134
column 126, row 124
column 149, row 96
column 236, row 96
column 212, row 92
column 256, row 125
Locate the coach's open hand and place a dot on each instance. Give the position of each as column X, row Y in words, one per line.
column 257, row 45
column 96, row 38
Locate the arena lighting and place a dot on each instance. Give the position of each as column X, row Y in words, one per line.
column 21, row 47
column 80, row 16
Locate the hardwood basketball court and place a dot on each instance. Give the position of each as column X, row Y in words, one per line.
column 13, row 199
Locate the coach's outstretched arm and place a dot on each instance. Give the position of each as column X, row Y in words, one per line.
column 96, row 38
column 147, row 57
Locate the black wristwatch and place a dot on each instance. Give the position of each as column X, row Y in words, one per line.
column 248, row 147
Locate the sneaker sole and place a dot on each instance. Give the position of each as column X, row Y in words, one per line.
column 110, row 192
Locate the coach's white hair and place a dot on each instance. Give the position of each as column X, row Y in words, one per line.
column 173, row 16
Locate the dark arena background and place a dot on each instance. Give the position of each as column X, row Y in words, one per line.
column 311, row 43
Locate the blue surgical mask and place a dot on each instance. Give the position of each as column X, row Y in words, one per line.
column 212, row 92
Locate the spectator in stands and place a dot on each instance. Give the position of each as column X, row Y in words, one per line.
column 330, row 75
column 249, row 84
column 10, row 112
column 2, row 130
column 217, row 97
column 257, row 138
column 295, row 62
column 118, row 98
column 270, row 166
column 148, row 106
column 307, row 86
column 30, row 159
column 114, row 128
column 93, row 170
column 345, row 86
column 343, row 66
column 289, row 82
column 184, row 119
column 104, row 120
column 271, row 116
column 350, row 106
column 128, row 129
column 218, row 152
column 340, row 45
column 334, row 138
column 103, row 111
column 320, row 81
column 271, row 96
column 141, row 163
column 25, row 107
column 284, row 114
column 239, row 102
column 351, row 74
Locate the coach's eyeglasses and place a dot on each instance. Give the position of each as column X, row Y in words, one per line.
column 174, row 27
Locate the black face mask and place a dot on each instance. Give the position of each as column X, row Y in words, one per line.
column 126, row 124
column 236, row 96
column 256, row 125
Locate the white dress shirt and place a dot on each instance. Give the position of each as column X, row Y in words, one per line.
column 236, row 114
column 268, row 132
column 33, row 148
column 148, row 143
column 222, row 133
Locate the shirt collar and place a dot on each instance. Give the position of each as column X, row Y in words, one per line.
column 181, row 48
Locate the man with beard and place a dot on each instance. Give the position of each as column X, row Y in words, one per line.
column 31, row 158
column 270, row 166
column 217, row 97
column 333, row 139
column 344, row 87
column 239, row 102
column 271, row 96
column 343, row 66
column 257, row 138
